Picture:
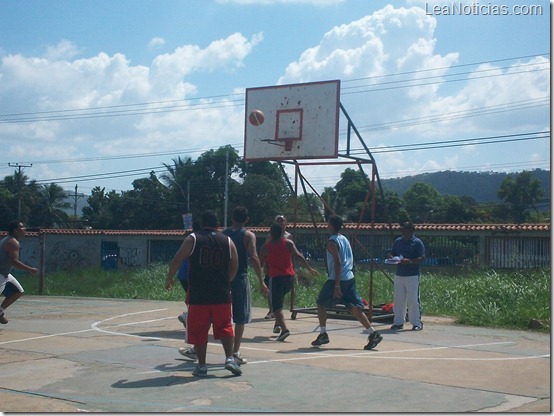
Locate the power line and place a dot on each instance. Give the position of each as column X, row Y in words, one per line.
column 387, row 149
column 158, row 107
column 231, row 100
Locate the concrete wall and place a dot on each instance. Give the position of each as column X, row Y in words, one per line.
column 66, row 250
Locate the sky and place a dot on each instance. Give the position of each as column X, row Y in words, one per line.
column 102, row 92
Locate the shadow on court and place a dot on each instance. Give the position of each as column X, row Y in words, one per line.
column 66, row 354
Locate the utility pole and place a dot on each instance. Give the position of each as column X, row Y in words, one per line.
column 188, row 196
column 75, row 197
column 226, row 189
column 19, row 184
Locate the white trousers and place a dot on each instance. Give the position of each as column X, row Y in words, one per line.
column 406, row 295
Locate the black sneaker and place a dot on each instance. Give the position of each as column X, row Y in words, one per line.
column 321, row 339
column 373, row 339
column 3, row 319
column 396, row 327
column 417, row 327
column 284, row 335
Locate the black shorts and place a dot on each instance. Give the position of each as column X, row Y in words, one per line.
column 279, row 286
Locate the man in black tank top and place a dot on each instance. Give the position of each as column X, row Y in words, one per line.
column 213, row 263
column 245, row 242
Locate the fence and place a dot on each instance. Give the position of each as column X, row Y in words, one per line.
column 448, row 245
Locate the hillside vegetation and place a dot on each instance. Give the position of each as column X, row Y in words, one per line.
column 484, row 185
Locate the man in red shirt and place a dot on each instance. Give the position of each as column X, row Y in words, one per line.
column 277, row 254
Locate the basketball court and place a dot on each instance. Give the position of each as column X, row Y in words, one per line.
column 69, row 354
column 66, row 354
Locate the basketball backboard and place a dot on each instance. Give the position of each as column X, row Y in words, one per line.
column 300, row 121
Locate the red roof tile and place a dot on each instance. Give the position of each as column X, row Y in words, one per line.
column 306, row 226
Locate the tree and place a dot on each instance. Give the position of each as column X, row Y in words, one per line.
column 454, row 209
column 48, row 211
column 521, row 194
column 97, row 213
column 7, row 213
column 310, row 203
column 261, row 187
column 333, row 203
column 351, row 192
column 420, row 201
column 178, row 178
column 25, row 194
column 394, row 207
column 148, row 206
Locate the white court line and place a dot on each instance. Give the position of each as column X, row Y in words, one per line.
column 61, row 334
column 322, row 354
column 306, row 355
column 105, row 331
column 379, row 354
column 94, row 328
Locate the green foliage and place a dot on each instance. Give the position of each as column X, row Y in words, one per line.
column 481, row 186
column 521, row 194
column 420, row 201
column 499, row 299
column 192, row 186
column 508, row 299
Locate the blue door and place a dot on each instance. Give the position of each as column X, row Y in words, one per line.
column 110, row 255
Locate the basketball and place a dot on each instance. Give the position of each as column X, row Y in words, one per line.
column 256, row 118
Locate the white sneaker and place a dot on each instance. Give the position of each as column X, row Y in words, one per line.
column 183, row 319
column 232, row 366
column 239, row 358
column 188, row 352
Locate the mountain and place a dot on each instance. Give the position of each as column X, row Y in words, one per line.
column 481, row 186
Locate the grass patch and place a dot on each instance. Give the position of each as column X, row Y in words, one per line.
column 502, row 299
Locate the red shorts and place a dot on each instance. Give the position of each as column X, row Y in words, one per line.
column 201, row 317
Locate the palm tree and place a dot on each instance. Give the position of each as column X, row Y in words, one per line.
column 24, row 194
column 52, row 204
column 177, row 176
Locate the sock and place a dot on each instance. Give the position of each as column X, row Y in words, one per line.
column 369, row 330
column 322, row 329
column 1, row 311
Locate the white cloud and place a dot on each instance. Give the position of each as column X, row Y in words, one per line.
column 156, row 43
column 396, row 46
column 56, row 86
column 370, row 50
column 63, row 50
column 168, row 70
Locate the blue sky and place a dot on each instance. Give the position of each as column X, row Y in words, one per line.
column 409, row 76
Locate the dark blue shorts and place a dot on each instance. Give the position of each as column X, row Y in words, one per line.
column 279, row 286
column 242, row 299
column 184, row 283
column 350, row 297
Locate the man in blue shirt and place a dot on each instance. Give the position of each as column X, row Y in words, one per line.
column 340, row 286
column 411, row 252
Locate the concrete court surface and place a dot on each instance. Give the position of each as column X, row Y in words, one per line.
column 69, row 354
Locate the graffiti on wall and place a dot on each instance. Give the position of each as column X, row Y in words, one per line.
column 29, row 253
column 131, row 256
column 65, row 257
